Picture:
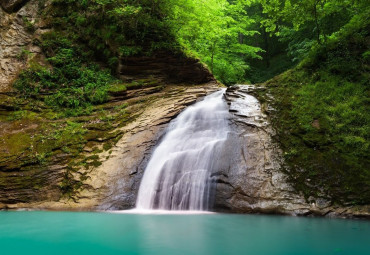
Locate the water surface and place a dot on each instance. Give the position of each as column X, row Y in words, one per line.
column 105, row 233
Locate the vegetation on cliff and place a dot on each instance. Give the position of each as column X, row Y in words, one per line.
column 72, row 85
column 322, row 115
column 322, row 118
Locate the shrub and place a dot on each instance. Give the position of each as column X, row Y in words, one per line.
column 72, row 83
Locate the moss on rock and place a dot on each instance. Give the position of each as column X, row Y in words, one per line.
column 321, row 115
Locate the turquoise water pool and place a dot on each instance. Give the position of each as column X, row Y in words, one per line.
column 107, row 233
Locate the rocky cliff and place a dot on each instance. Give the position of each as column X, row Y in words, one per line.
column 92, row 161
column 255, row 181
column 96, row 161
column 113, row 183
column 170, row 66
column 19, row 25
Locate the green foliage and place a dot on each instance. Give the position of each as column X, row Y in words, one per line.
column 323, row 117
column 71, row 85
column 296, row 29
column 261, row 71
column 114, row 28
column 305, row 23
column 30, row 27
column 23, row 55
column 211, row 30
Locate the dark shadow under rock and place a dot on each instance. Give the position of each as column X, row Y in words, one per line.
column 11, row 6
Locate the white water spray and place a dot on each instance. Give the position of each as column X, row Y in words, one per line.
column 179, row 173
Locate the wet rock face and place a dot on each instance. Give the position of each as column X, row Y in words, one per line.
column 12, row 5
column 124, row 170
column 114, row 184
column 253, row 182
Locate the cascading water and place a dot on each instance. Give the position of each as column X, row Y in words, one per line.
column 179, row 173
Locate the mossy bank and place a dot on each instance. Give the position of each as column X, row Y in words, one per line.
column 320, row 111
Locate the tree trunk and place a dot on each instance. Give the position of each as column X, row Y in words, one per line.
column 213, row 55
column 241, row 38
column 317, row 23
column 266, row 42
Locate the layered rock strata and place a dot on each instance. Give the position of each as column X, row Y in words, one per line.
column 170, row 66
column 114, row 184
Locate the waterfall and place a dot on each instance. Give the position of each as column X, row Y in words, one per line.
column 179, row 175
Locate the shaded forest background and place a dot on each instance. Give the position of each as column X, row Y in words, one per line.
column 239, row 40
